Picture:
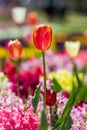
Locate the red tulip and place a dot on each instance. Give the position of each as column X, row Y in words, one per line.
column 32, row 18
column 42, row 37
column 15, row 49
column 9, row 68
column 50, row 97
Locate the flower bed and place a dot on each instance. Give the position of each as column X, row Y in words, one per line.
column 34, row 96
column 21, row 115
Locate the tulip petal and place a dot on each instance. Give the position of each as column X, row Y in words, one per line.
column 42, row 37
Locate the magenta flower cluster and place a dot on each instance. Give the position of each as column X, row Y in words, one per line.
column 26, row 81
column 15, row 118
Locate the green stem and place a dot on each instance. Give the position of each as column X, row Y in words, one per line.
column 25, row 51
column 44, row 68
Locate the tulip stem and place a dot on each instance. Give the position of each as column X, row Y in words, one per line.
column 44, row 68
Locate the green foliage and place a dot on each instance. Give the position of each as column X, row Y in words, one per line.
column 43, row 121
column 36, row 98
column 82, row 95
column 84, row 69
column 75, row 72
column 67, row 124
column 82, row 89
column 56, row 86
column 62, row 122
column 65, row 121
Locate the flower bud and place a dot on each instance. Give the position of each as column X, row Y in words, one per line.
column 42, row 37
column 15, row 49
column 72, row 48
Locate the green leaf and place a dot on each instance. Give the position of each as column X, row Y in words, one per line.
column 66, row 125
column 81, row 88
column 60, row 121
column 56, row 86
column 78, row 93
column 43, row 122
column 36, row 98
column 82, row 95
column 84, row 69
column 66, row 111
column 63, row 120
column 75, row 73
column 70, row 102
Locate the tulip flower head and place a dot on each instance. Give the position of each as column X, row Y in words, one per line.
column 32, row 18
column 42, row 37
column 15, row 49
column 50, row 97
column 72, row 48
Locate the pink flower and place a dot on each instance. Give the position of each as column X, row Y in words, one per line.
column 27, row 83
column 16, row 118
column 81, row 59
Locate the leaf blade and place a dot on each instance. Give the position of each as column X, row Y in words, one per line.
column 35, row 98
column 43, row 121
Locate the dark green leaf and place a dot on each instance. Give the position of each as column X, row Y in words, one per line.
column 82, row 95
column 36, row 98
column 84, row 69
column 63, row 122
column 75, row 73
column 81, row 88
column 66, row 125
column 66, row 111
column 43, row 121
column 56, row 86
column 60, row 121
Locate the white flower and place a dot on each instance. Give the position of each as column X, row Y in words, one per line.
column 72, row 48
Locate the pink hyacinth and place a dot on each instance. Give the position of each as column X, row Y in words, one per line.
column 16, row 118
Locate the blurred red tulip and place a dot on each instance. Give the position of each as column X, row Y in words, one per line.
column 50, row 97
column 42, row 37
column 9, row 68
column 32, row 18
column 15, row 49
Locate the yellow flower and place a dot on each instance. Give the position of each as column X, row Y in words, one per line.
column 65, row 79
column 72, row 48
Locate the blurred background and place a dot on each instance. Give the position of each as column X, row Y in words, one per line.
column 68, row 19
